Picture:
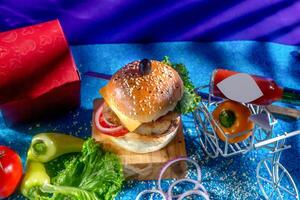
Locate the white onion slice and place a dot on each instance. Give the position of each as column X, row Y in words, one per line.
column 149, row 192
column 101, row 128
column 174, row 161
column 198, row 189
column 194, row 192
column 197, row 186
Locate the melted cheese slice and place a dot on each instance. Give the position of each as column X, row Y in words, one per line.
column 130, row 124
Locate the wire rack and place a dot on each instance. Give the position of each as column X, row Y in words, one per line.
column 273, row 179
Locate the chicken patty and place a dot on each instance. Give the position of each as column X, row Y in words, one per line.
column 160, row 126
column 157, row 127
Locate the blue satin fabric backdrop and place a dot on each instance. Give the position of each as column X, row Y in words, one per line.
column 224, row 178
column 94, row 21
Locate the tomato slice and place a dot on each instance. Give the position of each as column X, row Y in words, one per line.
column 104, row 123
column 119, row 133
column 108, row 128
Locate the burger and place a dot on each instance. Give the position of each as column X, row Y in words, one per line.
column 139, row 109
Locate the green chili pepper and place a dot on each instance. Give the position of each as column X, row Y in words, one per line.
column 35, row 177
column 47, row 146
column 92, row 174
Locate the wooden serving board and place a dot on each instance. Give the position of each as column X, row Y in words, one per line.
column 146, row 166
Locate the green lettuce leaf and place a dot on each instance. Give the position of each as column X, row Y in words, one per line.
column 92, row 174
column 190, row 99
column 95, row 172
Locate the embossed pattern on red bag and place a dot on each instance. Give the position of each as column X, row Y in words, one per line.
column 34, row 60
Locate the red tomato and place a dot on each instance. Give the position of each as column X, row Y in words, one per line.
column 104, row 124
column 118, row 133
column 10, row 171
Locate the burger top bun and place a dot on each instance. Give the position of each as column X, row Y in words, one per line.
column 144, row 90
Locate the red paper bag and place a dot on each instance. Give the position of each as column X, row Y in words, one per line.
column 38, row 75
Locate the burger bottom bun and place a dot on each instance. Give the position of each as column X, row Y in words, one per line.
column 143, row 143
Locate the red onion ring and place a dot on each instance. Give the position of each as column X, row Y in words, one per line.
column 195, row 192
column 169, row 196
column 150, row 191
column 197, row 186
column 107, row 122
column 101, row 128
column 174, row 161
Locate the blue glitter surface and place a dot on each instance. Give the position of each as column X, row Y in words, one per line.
column 224, row 178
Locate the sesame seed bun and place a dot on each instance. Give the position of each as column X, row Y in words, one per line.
column 144, row 97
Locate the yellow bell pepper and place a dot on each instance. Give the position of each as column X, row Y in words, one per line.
column 233, row 118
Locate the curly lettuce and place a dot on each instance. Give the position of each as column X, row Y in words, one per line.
column 190, row 99
column 92, row 174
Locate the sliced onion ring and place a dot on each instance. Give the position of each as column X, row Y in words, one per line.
column 149, row 192
column 107, row 122
column 194, row 192
column 169, row 196
column 101, row 128
column 197, row 186
column 174, row 161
